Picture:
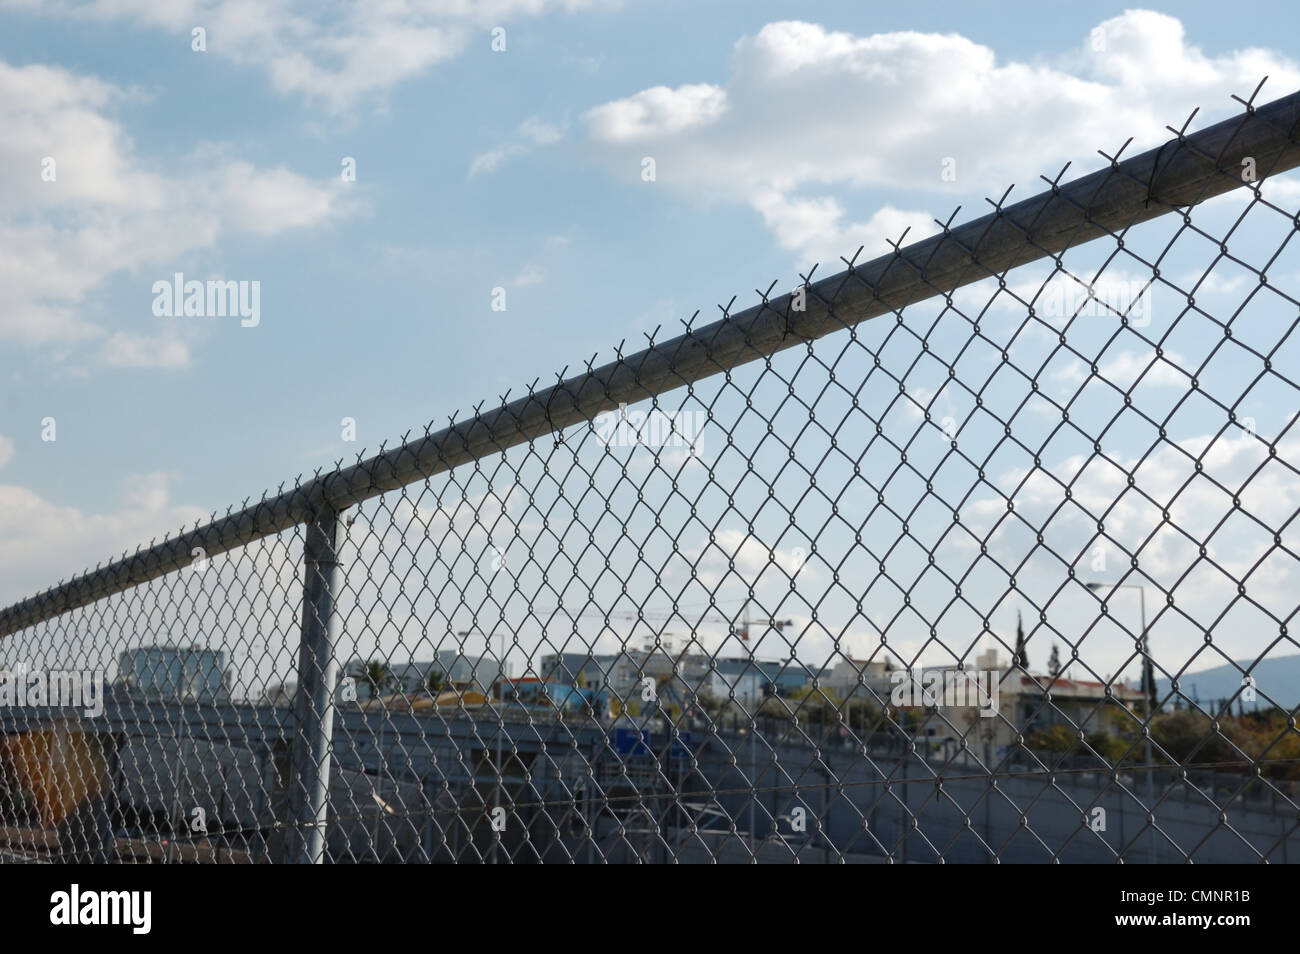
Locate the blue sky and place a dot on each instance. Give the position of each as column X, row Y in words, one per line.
column 784, row 134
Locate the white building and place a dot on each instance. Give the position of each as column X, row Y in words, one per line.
column 739, row 676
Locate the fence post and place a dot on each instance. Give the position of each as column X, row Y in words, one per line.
column 309, row 776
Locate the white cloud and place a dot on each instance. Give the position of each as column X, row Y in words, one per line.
column 6, row 451
column 534, row 133
column 125, row 350
column 101, row 209
column 816, row 228
column 1211, row 283
column 808, row 113
column 656, row 112
column 492, row 159
column 331, row 54
column 739, row 555
column 539, row 132
column 1047, row 528
column 47, row 542
column 530, row 275
column 1282, row 191
column 268, row 201
column 1267, row 492
column 478, row 520
column 1125, row 368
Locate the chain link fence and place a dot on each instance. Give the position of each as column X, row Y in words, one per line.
column 793, row 586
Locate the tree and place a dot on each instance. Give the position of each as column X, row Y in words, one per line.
column 771, row 707
column 1022, row 658
column 1054, row 661
column 378, row 677
column 1109, row 747
column 434, row 681
column 1149, row 682
column 1056, row 738
column 710, row 703
column 1192, row 737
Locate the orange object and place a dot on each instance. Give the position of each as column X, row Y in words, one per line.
column 60, row 767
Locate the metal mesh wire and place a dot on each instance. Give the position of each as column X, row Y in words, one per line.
column 706, row 624
column 154, row 719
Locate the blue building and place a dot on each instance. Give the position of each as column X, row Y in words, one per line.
column 784, row 677
column 174, row 672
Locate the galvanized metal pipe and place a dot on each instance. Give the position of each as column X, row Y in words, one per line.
column 312, row 750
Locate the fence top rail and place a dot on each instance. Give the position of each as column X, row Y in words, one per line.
column 1186, row 170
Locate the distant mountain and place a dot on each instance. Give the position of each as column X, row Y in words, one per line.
column 1278, row 677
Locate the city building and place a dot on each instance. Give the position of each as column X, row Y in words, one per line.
column 743, row 677
column 189, row 674
column 785, row 677
column 627, row 670
column 860, row 680
column 581, row 669
column 1022, row 706
column 622, row 674
column 458, row 670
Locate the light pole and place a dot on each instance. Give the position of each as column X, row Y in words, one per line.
column 778, row 625
column 1148, row 691
column 501, row 726
column 988, row 797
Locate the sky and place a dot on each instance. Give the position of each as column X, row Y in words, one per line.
column 388, row 173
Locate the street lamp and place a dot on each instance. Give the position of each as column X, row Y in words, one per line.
column 1148, row 670
column 1148, row 688
column 501, row 726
